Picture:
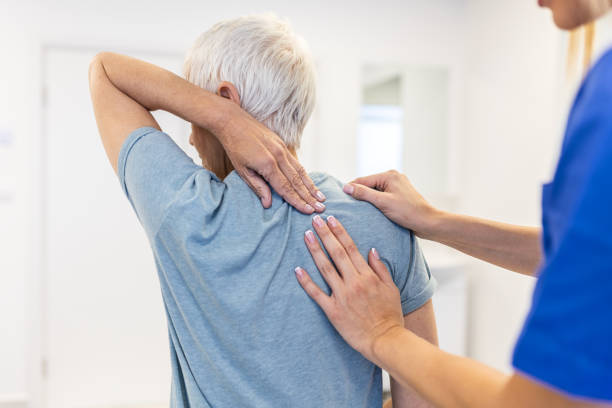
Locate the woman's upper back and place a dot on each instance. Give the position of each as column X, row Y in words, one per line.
column 242, row 331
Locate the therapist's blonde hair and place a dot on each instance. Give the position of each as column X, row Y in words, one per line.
column 586, row 35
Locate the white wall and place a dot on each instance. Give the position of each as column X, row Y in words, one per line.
column 508, row 68
column 343, row 35
column 15, row 121
column 514, row 119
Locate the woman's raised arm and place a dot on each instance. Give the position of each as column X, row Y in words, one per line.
column 125, row 89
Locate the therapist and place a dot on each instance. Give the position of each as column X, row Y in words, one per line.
column 563, row 357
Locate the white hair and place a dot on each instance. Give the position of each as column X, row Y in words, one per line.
column 268, row 64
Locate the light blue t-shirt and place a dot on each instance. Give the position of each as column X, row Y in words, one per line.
column 243, row 333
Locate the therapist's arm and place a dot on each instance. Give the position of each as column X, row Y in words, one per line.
column 452, row 381
column 513, row 247
column 421, row 322
column 365, row 308
column 124, row 90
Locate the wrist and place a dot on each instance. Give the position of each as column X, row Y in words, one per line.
column 381, row 348
column 219, row 116
column 433, row 221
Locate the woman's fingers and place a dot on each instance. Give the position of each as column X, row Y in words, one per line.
column 361, row 308
column 295, row 180
column 347, row 242
column 326, row 268
column 314, row 191
column 377, row 181
column 272, row 173
column 379, row 267
column 258, row 185
column 251, row 145
column 324, row 301
column 363, row 193
column 371, row 188
column 334, row 248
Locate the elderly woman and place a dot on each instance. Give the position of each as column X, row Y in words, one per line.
column 242, row 332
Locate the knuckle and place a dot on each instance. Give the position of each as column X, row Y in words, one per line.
column 395, row 175
column 351, row 249
column 327, row 269
column 371, row 280
column 300, row 171
column 314, row 293
column 287, row 186
column 336, row 253
column 271, row 166
column 268, row 167
column 357, row 288
column 310, row 288
column 277, row 151
column 296, row 179
column 259, row 191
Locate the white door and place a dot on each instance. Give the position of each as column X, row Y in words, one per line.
column 105, row 338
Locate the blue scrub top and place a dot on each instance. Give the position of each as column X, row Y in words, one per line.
column 567, row 339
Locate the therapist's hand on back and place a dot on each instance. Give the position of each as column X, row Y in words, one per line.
column 393, row 194
column 365, row 303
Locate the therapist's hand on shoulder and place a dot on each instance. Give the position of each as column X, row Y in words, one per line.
column 365, row 303
column 393, row 194
column 259, row 156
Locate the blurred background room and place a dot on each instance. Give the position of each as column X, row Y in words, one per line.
column 440, row 90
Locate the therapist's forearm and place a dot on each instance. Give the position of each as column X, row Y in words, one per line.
column 156, row 88
column 447, row 380
column 412, row 362
column 513, row 247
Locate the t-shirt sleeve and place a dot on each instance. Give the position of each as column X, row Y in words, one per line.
column 152, row 169
column 412, row 275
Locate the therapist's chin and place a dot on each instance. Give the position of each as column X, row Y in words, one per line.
column 569, row 23
column 571, row 15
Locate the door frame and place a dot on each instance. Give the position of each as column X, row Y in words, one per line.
column 37, row 269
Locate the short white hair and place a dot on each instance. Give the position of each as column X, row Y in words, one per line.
column 269, row 65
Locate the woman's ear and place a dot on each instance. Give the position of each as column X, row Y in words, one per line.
column 229, row 91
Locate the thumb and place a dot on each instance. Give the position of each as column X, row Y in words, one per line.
column 363, row 193
column 379, row 267
column 258, row 185
column 377, row 181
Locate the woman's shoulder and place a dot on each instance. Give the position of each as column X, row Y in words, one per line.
column 604, row 62
column 590, row 119
column 598, row 82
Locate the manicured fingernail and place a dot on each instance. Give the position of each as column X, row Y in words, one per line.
column 320, row 196
column 318, row 221
column 375, row 253
column 309, row 208
column 299, row 272
column 348, row 189
column 331, row 220
column 319, row 207
column 310, row 236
